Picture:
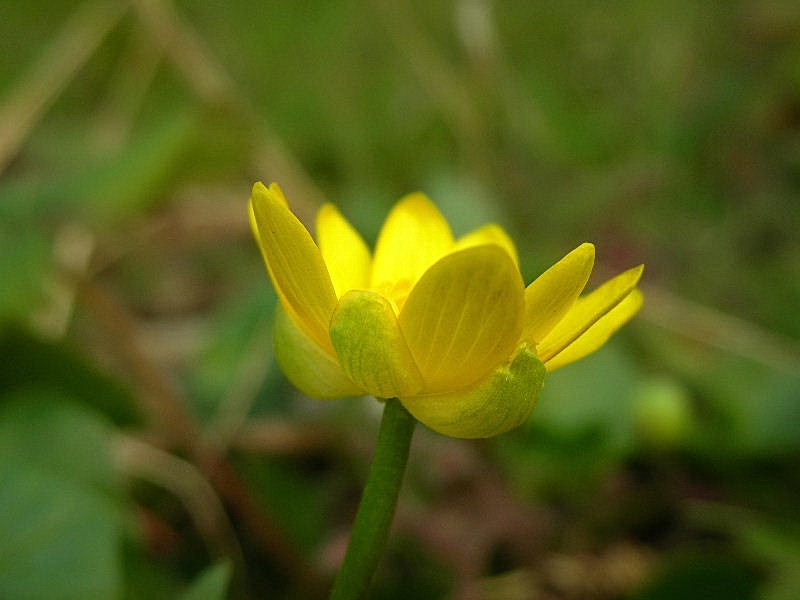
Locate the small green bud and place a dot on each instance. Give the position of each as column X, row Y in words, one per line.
column 662, row 412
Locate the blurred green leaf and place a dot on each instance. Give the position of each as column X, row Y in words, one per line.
column 702, row 576
column 595, row 393
column 60, row 512
column 212, row 584
column 241, row 337
column 301, row 500
column 147, row 575
column 54, row 366
column 759, row 406
column 773, row 544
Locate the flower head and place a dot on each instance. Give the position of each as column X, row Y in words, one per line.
column 446, row 325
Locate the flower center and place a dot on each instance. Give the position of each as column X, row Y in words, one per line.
column 397, row 291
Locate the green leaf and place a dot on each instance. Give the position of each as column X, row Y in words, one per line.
column 706, row 576
column 48, row 365
column 241, row 333
column 594, row 394
column 60, row 521
column 212, row 584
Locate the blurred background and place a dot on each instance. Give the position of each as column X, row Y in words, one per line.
column 149, row 446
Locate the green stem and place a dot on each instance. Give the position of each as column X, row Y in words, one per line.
column 371, row 528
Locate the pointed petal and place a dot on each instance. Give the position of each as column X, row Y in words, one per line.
column 414, row 236
column 277, row 192
column 598, row 334
column 294, row 263
column 312, row 370
column 489, row 234
column 260, row 189
column 344, row 251
column 371, row 348
column 464, row 317
column 499, row 403
column 554, row 292
column 587, row 311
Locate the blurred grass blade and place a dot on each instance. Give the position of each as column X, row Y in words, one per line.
column 59, row 62
column 110, row 189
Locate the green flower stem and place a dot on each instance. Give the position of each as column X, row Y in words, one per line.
column 378, row 502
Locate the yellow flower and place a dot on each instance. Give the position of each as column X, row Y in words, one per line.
column 446, row 325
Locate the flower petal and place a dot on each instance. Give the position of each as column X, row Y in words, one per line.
column 489, row 234
column 371, row 347
column 554, row 292
column 294, row 264
column 598, row 334
column 344, row 251
column 261, row 189
column 464, row 317
column 312, row 370
column 499, row 403
column 414, row 236
column 587, row 311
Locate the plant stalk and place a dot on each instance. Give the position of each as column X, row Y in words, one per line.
column 378, row 503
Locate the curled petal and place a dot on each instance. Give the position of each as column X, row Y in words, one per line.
column 312, row 370
column 587, row 311
column 346, row 255
column 554, row 292
column 464, row 317
column 598, row 334
column 498, row 404
column 371, row 347
column 294, row 263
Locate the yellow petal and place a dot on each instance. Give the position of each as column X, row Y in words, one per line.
column 312, row 370
column 464, row 317
column 489, row 234
column 277, row 192
column 414, row 236
column 499, row 403
column 554, row 292
column 598, row 334
column 587, row 311
column 294, row 263
column 261, row 190
column 344, row 251
column 371, row 348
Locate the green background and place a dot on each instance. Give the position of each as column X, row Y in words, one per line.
column 150, row 448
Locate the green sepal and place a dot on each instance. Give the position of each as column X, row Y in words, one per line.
column 499, row 403
column 372, row 350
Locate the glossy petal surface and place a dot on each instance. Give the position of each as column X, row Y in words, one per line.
column 501, row 402
column 346, row 255
column 587, row 311
column 312, row 370
column 554, row 292
column 598, row 334
column 372, row 351
column 295, row 264
column 464, row 317
column 414, row 236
